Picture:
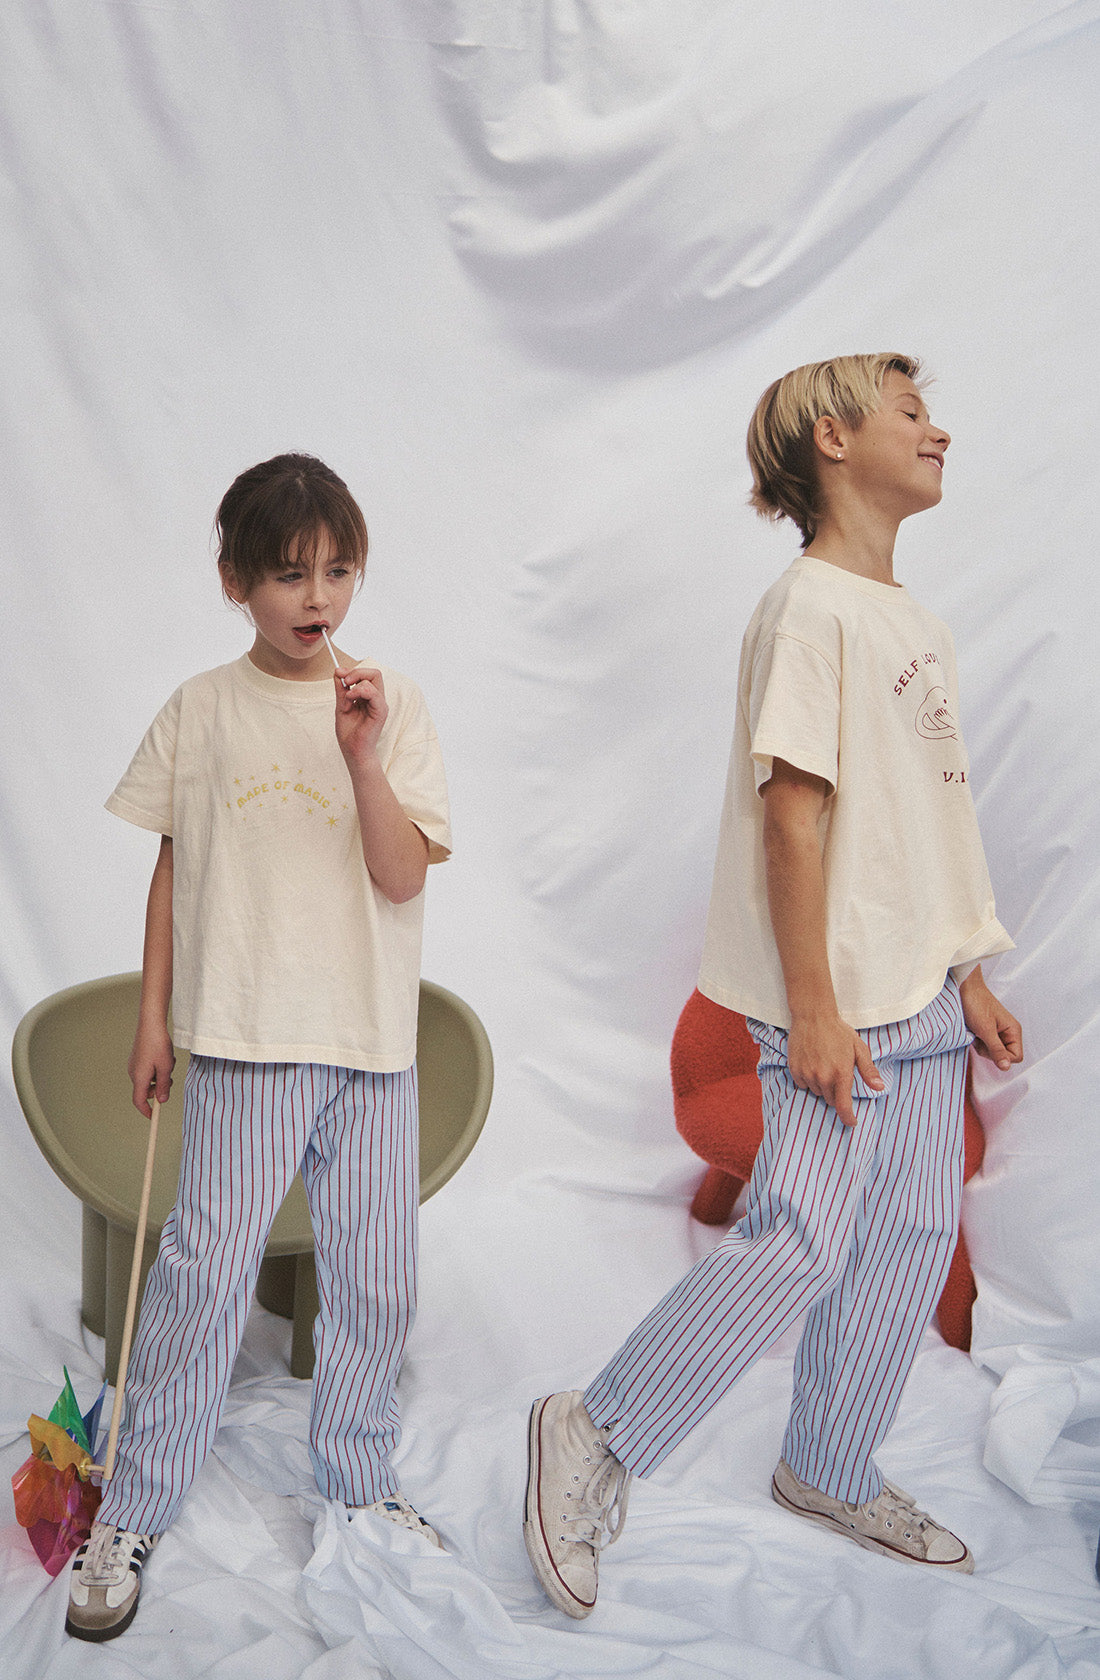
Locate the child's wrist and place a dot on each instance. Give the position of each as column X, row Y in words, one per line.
column 811, row 1008
column 363, row 762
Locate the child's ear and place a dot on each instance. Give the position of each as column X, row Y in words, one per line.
column 230, row 585
column 827, row 436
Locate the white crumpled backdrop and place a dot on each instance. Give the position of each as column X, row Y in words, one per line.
column 520, row 272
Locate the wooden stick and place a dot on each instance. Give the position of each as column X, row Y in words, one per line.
column 131, row 1299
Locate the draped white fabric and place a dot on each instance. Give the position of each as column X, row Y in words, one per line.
column 519, row 272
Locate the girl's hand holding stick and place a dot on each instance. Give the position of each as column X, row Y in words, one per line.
column 361, row 708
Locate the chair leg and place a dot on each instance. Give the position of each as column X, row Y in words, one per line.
column 93, row 1271
column 275, row 1283
column 306, row 1307
column 715, row 1197
column 957, row 1299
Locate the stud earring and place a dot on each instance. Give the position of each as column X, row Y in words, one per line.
column 839, row 456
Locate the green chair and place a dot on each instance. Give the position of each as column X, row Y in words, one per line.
column 69, row 1060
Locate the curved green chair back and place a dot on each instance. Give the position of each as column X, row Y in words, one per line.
column 69, row 1061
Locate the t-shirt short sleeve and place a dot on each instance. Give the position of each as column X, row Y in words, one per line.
column 414, row 770
column 144, row 795
column 794, row 710
column 416, row 775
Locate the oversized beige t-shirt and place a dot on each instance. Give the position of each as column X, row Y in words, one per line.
column 855, row 682
column 284, row 950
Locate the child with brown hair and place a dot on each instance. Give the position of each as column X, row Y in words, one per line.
column 298, row 812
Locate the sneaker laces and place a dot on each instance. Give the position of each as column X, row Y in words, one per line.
column 109, row 1552
column 895, row 1502
column 601, row 1503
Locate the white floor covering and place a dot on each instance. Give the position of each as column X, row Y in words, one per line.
column 260, row 1577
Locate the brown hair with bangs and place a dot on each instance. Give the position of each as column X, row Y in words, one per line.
column 276, row 512
column 785, row 483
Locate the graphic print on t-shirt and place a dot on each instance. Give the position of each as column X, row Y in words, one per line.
column 252, row 796
column 934, row 720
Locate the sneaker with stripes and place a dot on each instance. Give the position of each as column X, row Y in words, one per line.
column 396, row 1509
column 106, row 1581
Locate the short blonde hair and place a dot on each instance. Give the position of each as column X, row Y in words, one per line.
column 785, row 482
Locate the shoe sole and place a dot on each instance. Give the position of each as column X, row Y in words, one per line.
column 964, row 1565
column 561, row 1596
column 96, row 1635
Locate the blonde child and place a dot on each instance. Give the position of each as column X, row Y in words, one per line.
column 850, row 911
column 299, row 811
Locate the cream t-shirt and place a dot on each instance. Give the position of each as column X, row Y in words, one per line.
column 855, row 682
column 284, row 950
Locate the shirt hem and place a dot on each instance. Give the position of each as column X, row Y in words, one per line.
column 798, row 759
column 862, row 1020
column 325, row 1055
column 990, row 940
column 133, row 814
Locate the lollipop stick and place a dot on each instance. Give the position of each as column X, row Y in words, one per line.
column 328, row 644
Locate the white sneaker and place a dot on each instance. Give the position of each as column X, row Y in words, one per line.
column 892, row 1523
column 396, row 1509
column 106, row 1581
column 576, row 1500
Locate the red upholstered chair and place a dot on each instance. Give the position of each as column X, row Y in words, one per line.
column 716, row 1096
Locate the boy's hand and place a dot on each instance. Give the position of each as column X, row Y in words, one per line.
column 361, row 710
column 997, row 1034
column 150, row 1067
column 823, row 1054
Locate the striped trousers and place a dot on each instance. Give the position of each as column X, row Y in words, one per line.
column 247, row 1128
column 855, row 1224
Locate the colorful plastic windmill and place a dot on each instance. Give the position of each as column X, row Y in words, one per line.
column 56, row 1498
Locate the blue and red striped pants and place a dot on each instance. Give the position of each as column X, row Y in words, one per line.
column 857, row 1225
column 247, row 1127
